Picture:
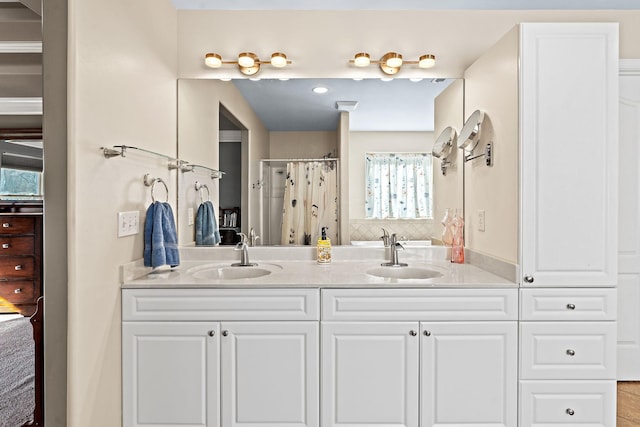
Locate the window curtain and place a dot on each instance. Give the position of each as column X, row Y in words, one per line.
column 398, row 185
column 310, row 202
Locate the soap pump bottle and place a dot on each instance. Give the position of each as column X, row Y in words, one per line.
column 324, row 248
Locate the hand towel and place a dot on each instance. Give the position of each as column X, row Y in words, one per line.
column 207, row 232
column 160, row 237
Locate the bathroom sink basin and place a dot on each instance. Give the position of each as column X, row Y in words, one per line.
column 403, row 273
column 226, row 272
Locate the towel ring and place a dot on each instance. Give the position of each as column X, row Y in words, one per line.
column 199, row 188
column 151, row 182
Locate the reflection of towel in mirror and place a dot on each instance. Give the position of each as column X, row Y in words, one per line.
column 160, row 237
column 207, row 232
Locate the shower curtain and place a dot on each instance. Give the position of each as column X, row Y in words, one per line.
column 310, row 202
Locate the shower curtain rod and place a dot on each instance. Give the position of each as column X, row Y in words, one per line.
column 299, row 160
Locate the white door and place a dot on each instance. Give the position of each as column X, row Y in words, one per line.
column 469, row 374
column 568, row 143
column 629, row 228
column 370, row 374
column 270, row 374
column 170, row 374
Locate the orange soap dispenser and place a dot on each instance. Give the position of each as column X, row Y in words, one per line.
column 324, row 248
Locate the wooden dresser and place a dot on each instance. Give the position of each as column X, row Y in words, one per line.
column 20, row 258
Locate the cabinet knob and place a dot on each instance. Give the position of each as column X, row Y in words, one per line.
column 571, row 352
column 413, row 333
column 426, row 333
column 570, row 411
column 18, row 267
column 212, row 333
column 17, row 291
column 528, row 278
column 225, row 333
column 571, row 306
column 5, row 246
column 6, row 225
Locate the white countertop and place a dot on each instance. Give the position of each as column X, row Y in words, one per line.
column 296, row 268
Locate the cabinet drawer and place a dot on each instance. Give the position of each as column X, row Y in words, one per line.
column 419, row 304
column 16, row 267
column 19, row 292
column 16, row 225
column 568, row 350
column 220, row 304
column 567, row 403
column 568, row 304
column 16, row 245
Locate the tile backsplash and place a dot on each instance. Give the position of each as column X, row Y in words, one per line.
column 406, row 229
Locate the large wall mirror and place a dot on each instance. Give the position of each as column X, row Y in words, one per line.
column 263, row 133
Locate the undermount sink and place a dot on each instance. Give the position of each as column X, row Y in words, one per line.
column 408, row 273
column 227, row 272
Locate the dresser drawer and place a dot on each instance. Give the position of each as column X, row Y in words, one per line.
column 16, row 225
column 220, row 304
column 568, row 350
column 567, row 403
column 419, row 304
column 568, row 304
column 18, row 292
column 17, row 245
column 16, row 267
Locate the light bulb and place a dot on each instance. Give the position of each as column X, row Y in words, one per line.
column 213, row 60
column 394, row 61
column 427, row 61
column 362, row 60
column 279, row 60
column 246, row 59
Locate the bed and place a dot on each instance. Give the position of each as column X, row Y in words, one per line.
column 21, row 369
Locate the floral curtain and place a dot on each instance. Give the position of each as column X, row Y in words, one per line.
column 398, row 185
column 310, row 202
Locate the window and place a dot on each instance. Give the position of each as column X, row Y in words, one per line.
column 16, row 182
column 398, row 185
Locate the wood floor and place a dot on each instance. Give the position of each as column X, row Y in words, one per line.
column 628, row 404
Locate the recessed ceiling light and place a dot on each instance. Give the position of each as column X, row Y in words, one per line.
column 415, row 79
column 255, row 79
column 225, row 79
column 386, row 79
column 358, row 79
column 320, row 90
column 283, row 79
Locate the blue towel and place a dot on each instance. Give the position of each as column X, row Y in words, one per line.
column 207, row 232
column 160, row 237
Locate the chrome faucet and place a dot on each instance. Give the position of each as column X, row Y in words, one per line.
column 253, row 237
column 395, row 245
column 385, row 238
column 244, row 255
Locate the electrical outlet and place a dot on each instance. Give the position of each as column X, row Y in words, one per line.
column 481, row 220
column 128, row 223
column 190, row 216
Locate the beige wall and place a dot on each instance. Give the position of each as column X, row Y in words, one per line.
column 122, row 90
column 491, row 85
column 198, row 116
column 303, row 145
column 448, row 188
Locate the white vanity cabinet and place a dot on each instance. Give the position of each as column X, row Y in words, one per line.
column 421, row 357
column 568, row 94
column 214, row 357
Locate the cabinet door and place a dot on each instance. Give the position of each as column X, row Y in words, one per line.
column 469, row 374
column 170, row 374
column 270, row 374
column 370, row 374
column 569, row 153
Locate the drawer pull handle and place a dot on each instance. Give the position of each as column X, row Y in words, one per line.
column 212, row 333
column 571, row 352
column 570, row 411
column 5, row 246
column 6, row 225
column 225, row 333
column 426, row 333
column 413, row 333
column 571, row 306
column 17, row 291
column 18, row 267
column 528, row 278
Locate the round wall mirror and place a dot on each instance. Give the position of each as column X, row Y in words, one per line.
column 444, row 143
column 469, row 133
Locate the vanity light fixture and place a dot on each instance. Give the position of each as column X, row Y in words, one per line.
column 470, row 138
column 391, row 62
column 248, row 62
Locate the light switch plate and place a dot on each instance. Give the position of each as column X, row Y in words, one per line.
column 128, row 223
column 481, row 220
column 190, row 216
